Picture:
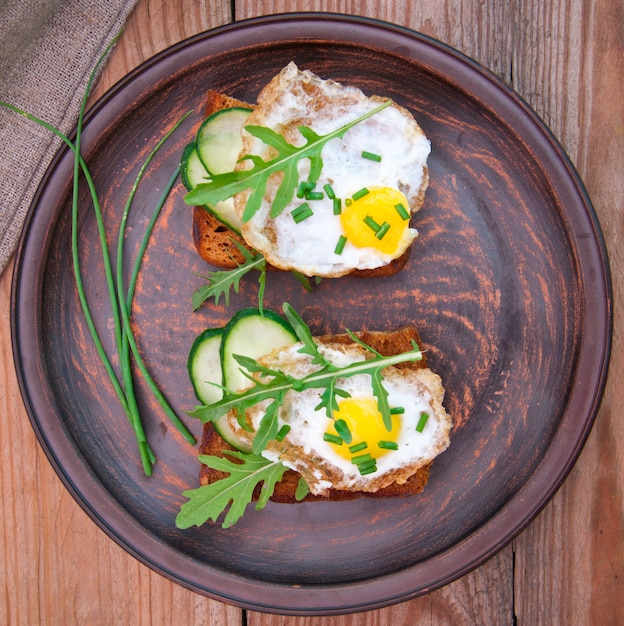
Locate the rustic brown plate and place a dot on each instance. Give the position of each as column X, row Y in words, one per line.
column 508, row 283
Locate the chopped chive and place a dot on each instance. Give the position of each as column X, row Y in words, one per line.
column 332, row 439
column 337, row 206
column 367, row 468
column 343, row 430
column 302, row 212
column 360, row 194
column 305, row 187
column 388, row 445
column 348, row 202
column 372, row 224
column 371, row 156
column 383, row 231
column 329, row 191
column 424, row 416
column 282, row 432
column 361, row 458
column 357, row 447
column 340, row 245
column 314, row 195
column 397, row 410
column 402, row 211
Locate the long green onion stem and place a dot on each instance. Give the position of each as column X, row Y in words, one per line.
column 121, row 303
column 125, row 299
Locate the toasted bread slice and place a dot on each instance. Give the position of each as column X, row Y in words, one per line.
column 215, row 243
column 386, row 343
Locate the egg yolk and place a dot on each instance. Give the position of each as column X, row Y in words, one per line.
column 365, row 423
column 376, row 218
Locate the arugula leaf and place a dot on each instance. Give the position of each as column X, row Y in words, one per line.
column 268, row 427
column 236, row 490
column 302, row 330
column 302, row 489
column 221, row 282
column 328, row 398
column 381, row 394
column 223, row 186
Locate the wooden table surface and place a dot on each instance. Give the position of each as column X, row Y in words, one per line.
column 566, row 58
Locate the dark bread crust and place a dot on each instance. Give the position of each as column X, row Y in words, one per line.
column 215, row 242
column 386, row 343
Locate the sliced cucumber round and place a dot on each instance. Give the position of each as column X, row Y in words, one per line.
column 193, row 173
column 192, row 170
column 219, row 139
column 253, row 334
column 204, row 366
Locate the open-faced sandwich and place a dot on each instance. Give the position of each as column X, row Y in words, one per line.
column 290, row 417
column 316, row 176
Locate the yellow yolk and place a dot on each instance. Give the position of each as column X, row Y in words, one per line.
column 366, row 425
column 364, row 220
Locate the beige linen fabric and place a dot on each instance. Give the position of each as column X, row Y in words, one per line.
column 48, row 48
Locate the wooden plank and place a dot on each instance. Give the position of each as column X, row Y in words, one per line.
column 570, row 561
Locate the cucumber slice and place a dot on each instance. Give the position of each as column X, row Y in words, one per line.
column 225, row 213
column 211, row 357
column 219, row 139
column 204, row 366
column 250, row 333
column 193, row 173
column 192, row 170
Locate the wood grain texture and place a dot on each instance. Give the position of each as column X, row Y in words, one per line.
column 566, row 59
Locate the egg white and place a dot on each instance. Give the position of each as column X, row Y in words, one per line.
column 304, row 448
column 296, row 98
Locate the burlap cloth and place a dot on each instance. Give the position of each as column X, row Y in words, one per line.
column 48, row 48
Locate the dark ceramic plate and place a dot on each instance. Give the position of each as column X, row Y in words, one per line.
column 508, row 283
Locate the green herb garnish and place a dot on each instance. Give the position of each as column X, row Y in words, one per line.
column 220, row 283
column 361, row 193
column 342, row 242
column 331, row 438
column 362, row 458
column 343, row 430
column 120, row 299
column 372, row 224
column 337, row 206
column 383, row 231
column 371, row 156
column 235, row 491
column 302, row 212
column 223, row 186
column 314, row 195
column 358, row 447
column 388, row 445
column 422, row 422
column 302, row 489
column 367, row 468
column 402, row 211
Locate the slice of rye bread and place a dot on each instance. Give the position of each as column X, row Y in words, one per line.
column 387, row 344
column 215, row 242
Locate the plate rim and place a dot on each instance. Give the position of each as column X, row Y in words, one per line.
column 305, row 600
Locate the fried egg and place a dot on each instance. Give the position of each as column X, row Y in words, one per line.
column 353, row 450
column 357, row 215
